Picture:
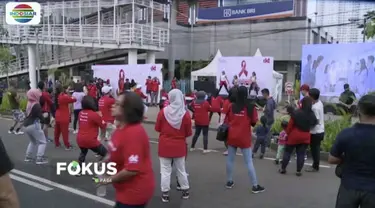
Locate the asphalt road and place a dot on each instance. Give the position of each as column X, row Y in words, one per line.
column 39, row 186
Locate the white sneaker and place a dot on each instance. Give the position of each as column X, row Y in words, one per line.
column 10, row 132
column 75, row 132
column 192, row 149
column 19, row 132
column 206, row 151
column 225, row 153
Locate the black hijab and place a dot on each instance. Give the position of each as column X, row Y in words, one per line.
column 242, row 102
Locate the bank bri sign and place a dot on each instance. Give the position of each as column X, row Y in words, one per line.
column 242, row 12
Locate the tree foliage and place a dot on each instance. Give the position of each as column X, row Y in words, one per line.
column 6, row 58
column 370, row 25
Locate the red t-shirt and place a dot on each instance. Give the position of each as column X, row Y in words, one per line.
column 140, row 93
column 47, row 102
column 172, row 142
column 63, row 112
column 148, row 84
column 216, row 103
column 239, row 132
column 201, row 113
column 105, row 107
column 226, row 105
column 155, row 86
column 295, row 135
column 174, row 84
column 130, row 150
column 89, row 124
column 92, row 90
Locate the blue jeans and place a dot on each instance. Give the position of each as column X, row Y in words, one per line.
column 247, row 155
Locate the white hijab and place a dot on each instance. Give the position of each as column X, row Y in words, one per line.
column 175, row 111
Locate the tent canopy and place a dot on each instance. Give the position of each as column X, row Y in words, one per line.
column 210, row 70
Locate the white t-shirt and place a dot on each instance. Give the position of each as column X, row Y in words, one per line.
column 253, row 78
column 223, row 78
column 318, row 110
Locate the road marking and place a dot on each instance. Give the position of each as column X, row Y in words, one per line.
column 65, row 188
column 30, row 183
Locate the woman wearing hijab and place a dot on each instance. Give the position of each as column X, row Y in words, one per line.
column 201, row 109
column 240, row 116
column 33, row 127
column 174, row 125
column 298, row 131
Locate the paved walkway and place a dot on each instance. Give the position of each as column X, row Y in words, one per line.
column 39, row 186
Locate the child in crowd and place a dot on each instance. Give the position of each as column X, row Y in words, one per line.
column 261, row 133
column 281, row 142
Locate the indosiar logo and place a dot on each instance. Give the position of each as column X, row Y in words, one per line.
column 25, row 13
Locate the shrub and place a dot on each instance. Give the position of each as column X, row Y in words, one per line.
column 332, row 129
column 5, row 105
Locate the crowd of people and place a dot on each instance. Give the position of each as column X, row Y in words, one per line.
column 101, row 120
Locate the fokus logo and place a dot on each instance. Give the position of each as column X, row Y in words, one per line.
column 25, row 13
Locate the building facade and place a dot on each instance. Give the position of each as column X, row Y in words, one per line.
column 335, row 12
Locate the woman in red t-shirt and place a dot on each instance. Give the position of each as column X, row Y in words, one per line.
column 216, row 102
column 129, row 148
column 240, row 116
column 201, row 109
column 298, row 131
column 174, row 125
column 226, row 103
column 62, row 116
column 88, row 129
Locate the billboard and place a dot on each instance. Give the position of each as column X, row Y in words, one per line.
column 329, row 66
column 242, row 12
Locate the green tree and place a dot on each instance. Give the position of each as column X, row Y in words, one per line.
column 6, row 58
column 369, row 29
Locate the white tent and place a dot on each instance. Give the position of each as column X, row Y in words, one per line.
column 209, row 71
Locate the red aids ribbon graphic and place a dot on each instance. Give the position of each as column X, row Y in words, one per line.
column 121, row 81
column 153, row 68
column 266, row 60
column 243, row 69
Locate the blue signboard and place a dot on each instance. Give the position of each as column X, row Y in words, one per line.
column 251, row 11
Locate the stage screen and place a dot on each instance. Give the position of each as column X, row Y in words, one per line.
column 243, row 67
column 329, row 66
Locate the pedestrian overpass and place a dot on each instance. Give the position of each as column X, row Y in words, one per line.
column 75, row 32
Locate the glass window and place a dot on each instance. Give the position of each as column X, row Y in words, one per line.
column 229, row 3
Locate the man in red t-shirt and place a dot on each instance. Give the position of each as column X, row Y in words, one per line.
column 105, row 107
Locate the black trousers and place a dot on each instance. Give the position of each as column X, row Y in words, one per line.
column 100, row 150
column 225, row 86
column 316, row 140
column 75, row 121
column 262, row 143
column 119, row 205
column 198, row 130
column 347, row 198
column 300, row 151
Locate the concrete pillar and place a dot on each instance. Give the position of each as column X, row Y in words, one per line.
column 171, row 53
column 31, row 52
column 132, row 56
column 70, row 72
column 291, row 72
column 150, row 59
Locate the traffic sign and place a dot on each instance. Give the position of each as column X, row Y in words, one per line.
column 288, row 86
